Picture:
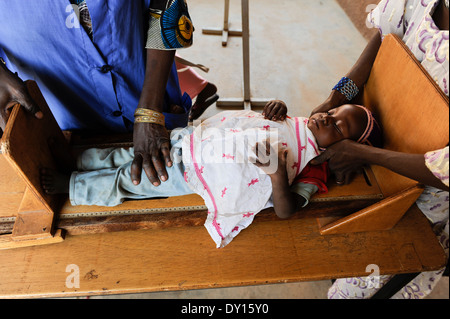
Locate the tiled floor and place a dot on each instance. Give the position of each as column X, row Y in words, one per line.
column 293, row 57
column 299, row 49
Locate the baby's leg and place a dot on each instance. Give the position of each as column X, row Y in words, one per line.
column 111, row 186
column 98, row 158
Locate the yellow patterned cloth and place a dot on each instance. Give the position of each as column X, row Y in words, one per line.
column 170, row 29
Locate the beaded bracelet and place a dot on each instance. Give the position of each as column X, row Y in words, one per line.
column 142, row 115
column 347, row 87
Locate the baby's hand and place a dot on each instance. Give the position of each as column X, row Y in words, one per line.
column 275, row 110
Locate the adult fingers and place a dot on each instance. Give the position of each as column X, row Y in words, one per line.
column 8, row 101
column 149, row 168
column 344, row 177
column 348, row 178
column 340, row 177
column 160, row 168
column 34, row 109
column 136, row 169
column 322, row 158
column 165, row 151
column 19, row 94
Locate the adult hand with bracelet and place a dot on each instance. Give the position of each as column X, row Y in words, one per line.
column 150, row 138
column 151, row 153
column 13, row 91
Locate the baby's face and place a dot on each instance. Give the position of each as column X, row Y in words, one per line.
column 344, row 122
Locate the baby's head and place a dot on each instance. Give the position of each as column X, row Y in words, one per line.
column 348, row 121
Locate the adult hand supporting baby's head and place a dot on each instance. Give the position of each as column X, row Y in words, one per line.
column 344, row 160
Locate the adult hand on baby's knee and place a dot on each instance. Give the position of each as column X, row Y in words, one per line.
column 151, row 153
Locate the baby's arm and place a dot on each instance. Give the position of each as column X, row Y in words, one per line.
column 285, row 202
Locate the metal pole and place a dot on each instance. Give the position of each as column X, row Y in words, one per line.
column 246, row 49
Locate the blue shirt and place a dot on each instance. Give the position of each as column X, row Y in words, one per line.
column 87, row 84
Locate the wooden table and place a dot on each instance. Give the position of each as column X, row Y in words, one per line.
column 186, row 258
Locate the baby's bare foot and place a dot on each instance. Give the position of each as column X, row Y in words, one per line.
column 53, row 182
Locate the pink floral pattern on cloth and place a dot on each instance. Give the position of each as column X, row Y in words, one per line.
column 234, row 189
column 412, row 21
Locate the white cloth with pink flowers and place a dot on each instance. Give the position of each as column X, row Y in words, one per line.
column 219, row 159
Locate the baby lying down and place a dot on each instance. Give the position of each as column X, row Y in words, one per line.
column 239, row 162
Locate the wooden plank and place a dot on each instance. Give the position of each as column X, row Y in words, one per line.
column 26, row 144
column 8, row 242
column 33, row 220
column 397, row 91
column 78, row 224
column 176, row 203
column 10, row 183
column 380, row 216
column 12, row 188
column 33, row 226
column 9, row 204
column 186, row 258
column 362, row 187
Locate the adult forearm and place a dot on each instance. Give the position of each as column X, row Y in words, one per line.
column 410, row 165
column 359, row 73
column 159, row 63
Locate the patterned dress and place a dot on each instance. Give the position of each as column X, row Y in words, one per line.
column 219, row 159
column 412, row 21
